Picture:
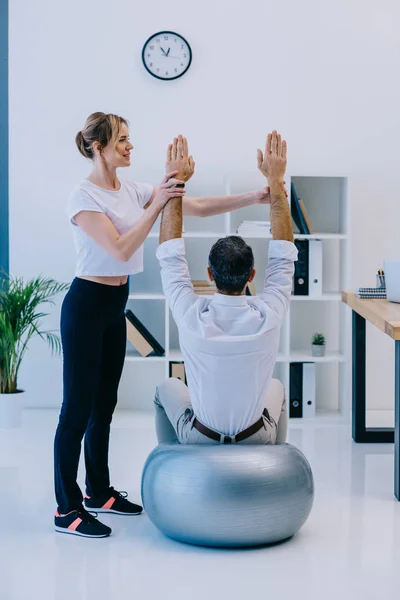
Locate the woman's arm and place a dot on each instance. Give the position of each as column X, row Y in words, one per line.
column 101, row 229
column 216, row 205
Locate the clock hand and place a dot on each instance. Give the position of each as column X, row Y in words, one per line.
column 168, row 51
column 162, row 50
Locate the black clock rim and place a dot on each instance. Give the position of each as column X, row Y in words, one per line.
column 157, row 76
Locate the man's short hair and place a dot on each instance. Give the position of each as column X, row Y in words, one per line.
column 231, row 262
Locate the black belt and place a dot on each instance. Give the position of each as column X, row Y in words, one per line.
column 239, row 437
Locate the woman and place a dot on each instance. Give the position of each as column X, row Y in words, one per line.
column 111, row 219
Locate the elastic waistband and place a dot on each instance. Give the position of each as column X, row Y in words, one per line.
column 100, row 289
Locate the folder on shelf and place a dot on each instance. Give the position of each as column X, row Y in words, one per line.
column 140, row 337
column 301, row 271
column 298, row 216
column 305, row 215
column 177, row 369
column 302, row 390
column 315, row 267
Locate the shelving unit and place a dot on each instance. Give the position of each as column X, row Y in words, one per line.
column 326, row 201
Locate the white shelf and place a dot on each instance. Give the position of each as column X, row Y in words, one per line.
column 297, row 236
column 295, row 356
column 327, row 204
column 195, row 234
column 204, row 234
column 304, row 356
column 321, row 236
column 176, row 355
column 330, row 297
column 130, row 358
column 144, row 296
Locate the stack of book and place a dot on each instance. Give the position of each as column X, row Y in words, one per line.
column 206, row 288
column 252, row 228
column 366, row 292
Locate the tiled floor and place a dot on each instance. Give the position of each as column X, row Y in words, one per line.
column 349, row 548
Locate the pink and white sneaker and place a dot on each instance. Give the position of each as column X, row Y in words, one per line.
column 112, row 502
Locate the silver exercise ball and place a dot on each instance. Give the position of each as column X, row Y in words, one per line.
column 227, row 495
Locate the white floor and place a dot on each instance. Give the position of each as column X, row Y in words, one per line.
column 349, row 548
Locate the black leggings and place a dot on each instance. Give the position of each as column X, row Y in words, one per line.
column 93, row 333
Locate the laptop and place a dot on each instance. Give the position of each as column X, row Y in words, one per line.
column 392, row 280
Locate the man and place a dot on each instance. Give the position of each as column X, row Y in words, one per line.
column 229, row 343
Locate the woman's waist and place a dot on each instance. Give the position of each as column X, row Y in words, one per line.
column 111, row 280
column 94, row 293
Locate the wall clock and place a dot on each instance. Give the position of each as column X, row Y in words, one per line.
column 166, row 55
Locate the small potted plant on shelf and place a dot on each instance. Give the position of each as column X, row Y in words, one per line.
column 318, row 344
column 20, row 321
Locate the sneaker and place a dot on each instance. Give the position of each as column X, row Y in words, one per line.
column 113, row 502
column 80, row 522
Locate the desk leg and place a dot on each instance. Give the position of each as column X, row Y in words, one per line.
column 397, row 422
column 359, row 375
column 376, row 435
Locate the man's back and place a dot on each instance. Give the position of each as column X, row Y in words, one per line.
column 229, row 343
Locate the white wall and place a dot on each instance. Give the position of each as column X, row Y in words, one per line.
column 324, row 73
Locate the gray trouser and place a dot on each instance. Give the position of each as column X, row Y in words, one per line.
column 174, row 416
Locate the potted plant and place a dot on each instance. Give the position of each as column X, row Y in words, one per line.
column 318, row 344
column 20, row 320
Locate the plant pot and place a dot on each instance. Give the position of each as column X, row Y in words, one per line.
column 317, row 350
column 11, row 410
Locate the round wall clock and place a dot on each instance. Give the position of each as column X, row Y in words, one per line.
column 166, row 55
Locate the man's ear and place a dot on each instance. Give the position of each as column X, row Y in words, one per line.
column 253, row 274
column 211, row 278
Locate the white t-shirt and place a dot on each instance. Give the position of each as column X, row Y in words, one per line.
column 123, row 207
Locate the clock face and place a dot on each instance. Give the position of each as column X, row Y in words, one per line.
column 166, row 55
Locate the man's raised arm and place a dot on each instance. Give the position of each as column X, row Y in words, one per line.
column 178, row 159
column 273, row 165
column 282, row 251
column 175, row 276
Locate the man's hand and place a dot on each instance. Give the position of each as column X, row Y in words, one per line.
column 273, row 163
column 178, row 159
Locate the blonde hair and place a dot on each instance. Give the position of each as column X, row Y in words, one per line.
column 101, row 128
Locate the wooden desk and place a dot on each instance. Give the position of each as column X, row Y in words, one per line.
column 386, row 317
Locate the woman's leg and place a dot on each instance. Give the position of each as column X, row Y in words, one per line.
column 98, row 430
column 81, row 336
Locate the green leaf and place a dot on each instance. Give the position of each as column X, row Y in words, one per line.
column 318, row 339
column 20, row 321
